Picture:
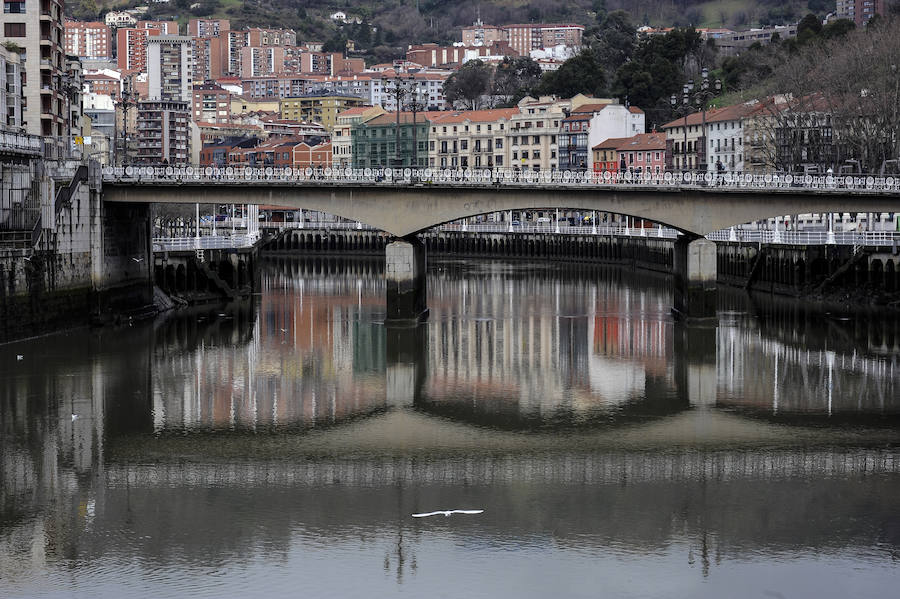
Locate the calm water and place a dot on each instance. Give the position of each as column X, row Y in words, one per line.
column 280, row 447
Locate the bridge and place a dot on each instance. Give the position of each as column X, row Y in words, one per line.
column 409, row 201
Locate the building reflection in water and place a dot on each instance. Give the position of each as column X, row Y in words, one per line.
column 508, row 346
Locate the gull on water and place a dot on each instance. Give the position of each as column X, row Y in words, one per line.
column 447, row 513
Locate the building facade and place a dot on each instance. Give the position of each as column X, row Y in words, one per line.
column 163, row 132
column 374, row 142
column 170, row 68
column 318, row 109
column 858, row 11
column 211, row 104
column 37, row 36
column 91, row 40
column 131, row 48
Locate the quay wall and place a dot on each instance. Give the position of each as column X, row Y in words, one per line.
column 800, row 270
column 90, row 260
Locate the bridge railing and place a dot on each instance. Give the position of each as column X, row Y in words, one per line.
column 494, row 177
column 860, row 238
column 207, row 242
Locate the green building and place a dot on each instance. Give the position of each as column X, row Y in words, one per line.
column 374, row 141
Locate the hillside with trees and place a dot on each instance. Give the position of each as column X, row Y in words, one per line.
column 382, row 29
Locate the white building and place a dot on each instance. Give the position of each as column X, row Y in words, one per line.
column 169, row 67
column 614, row 120
column 120, row 19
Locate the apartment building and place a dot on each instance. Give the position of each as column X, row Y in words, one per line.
column 720, row 149
column 642, row 153
column 858, row 11
column 532, row 135
column 430, row 84
column 163, row 132
column 37, row 36
column 170, row 72
column 208, row 27
column 374, row 142
column 211, row 104
column 469, row 139
column 208, row 58
column 92, row 40
column 525, row 37
column 103, row 84
column 131, row 45
column 342, row 134
column 479, row 34
column 165, row 27
column 258, row 37
column 260, row 61
column 275, row 86
column 322, row 109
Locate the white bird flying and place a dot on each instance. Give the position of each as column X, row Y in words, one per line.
column 446, row 513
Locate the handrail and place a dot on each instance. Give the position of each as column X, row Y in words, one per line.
column 64, row 194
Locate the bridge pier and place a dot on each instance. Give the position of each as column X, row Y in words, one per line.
column 694, row 267
column 405, row 277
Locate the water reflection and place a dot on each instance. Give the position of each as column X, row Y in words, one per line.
column 282, row 442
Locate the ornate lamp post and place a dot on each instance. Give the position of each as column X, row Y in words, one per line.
column 698, row 95
column 406, row 87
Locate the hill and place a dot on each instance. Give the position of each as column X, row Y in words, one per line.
column 396, row 23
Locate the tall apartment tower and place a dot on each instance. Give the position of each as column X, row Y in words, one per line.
column 208, row 58
column 37, row 35
column 88, row 40
column 170, row 68
column 859, row 11
column 131, row 48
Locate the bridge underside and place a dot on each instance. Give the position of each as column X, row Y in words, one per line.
column 406, row 210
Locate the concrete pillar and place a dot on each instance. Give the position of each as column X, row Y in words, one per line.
column 694, row 267
column 405, row 277
column 406, row 357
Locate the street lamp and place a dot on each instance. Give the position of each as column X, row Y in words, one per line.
column 684, row 108
column 403, row 87
column 698, row 95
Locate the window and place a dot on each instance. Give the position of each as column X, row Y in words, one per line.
column 553, row 139
column 14, row 7
column 498, row 143
column 431, row 146
column 464, row 144
column 536, row 154
column 535, row 139
column 524, row 154
column 14, row 29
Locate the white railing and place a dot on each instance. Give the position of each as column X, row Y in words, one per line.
column 497, row 177
column 855, row 238
column 207, row 242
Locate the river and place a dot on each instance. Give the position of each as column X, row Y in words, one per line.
column 280, row 446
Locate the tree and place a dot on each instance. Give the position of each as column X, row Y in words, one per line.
column 615, row 40
column 514, row 78
column 468, row 84
column 581, row 74
column 808, row 28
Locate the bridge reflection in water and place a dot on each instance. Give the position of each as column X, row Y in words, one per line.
column 560, row 400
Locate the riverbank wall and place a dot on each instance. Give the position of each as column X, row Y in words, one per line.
column 76, row 259
column 860, row 275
